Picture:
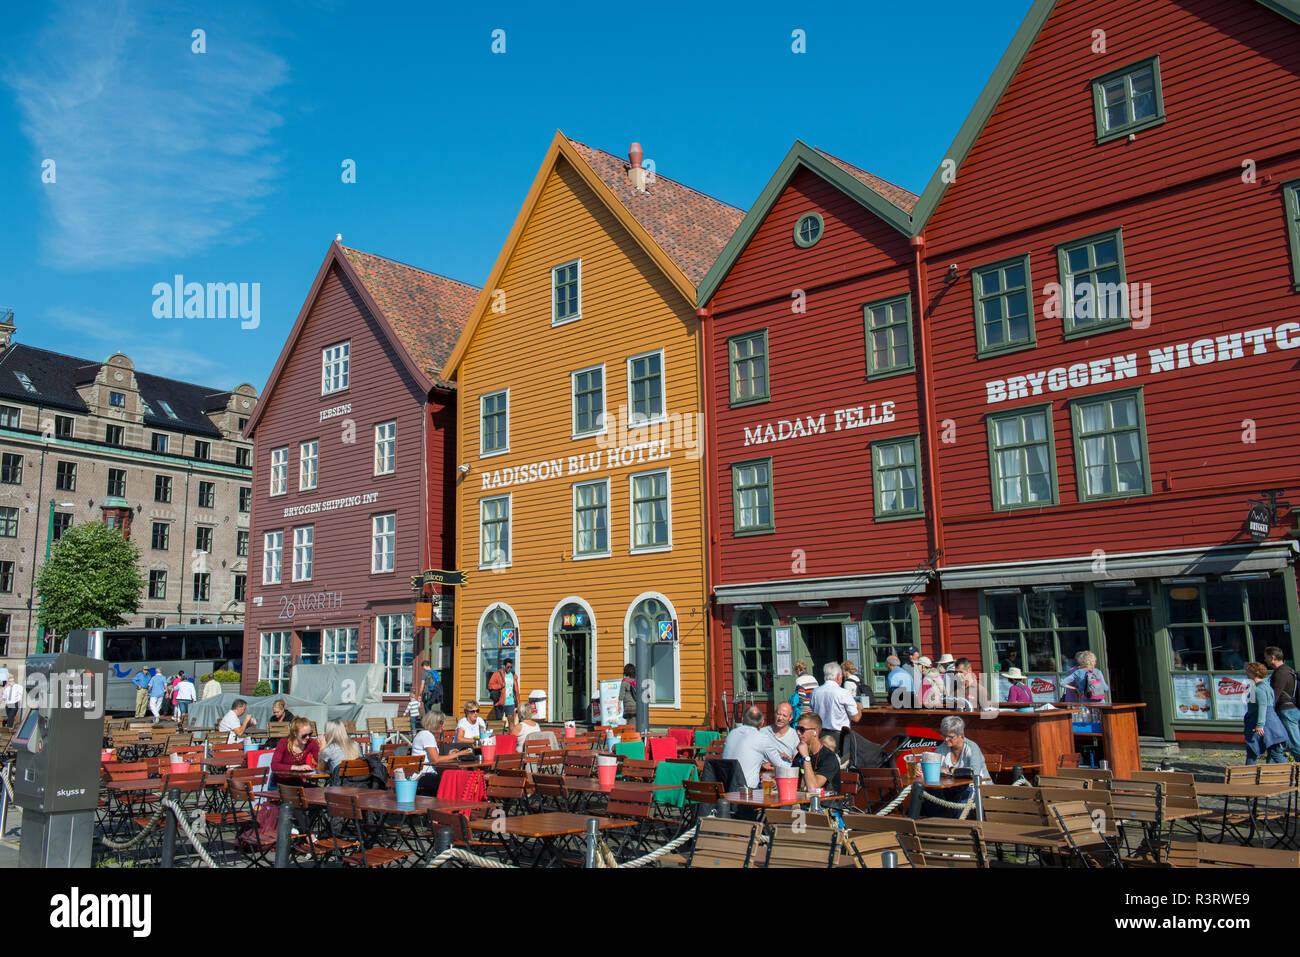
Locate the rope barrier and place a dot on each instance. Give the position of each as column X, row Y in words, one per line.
column 668, row 848
column 184, row 825
column 458, row 853
column 127, row 845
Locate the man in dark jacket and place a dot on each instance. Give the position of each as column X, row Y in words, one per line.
column 1284, row 683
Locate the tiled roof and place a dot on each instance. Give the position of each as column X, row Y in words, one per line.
column 55, row 376
column 426, row 311
column 902, row 198
column 690, row 227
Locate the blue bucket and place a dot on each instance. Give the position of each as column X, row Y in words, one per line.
column 930, row 771
column 250, row 745
column 377, row 742
column 405, row 790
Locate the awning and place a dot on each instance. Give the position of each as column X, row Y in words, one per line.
column 1216, row 560
column 817, row 589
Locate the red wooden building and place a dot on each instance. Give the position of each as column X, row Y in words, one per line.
column 352, row 474
column 1106, row 285
column 813, row 365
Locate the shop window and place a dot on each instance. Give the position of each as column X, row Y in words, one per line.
column 498, row 639
column 888, row 628
column 395, row 650
column 752, row 635
column 1039, row 632
column 645, row 625
column 274, row 660
column 339, row 646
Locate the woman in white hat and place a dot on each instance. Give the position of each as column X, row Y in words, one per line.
column 946, row 662
column 1018, row 693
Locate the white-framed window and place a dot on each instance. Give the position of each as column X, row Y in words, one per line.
column 338, row 646
column 385, row 448
column 494, row 532
column 651, row 505
column 494, row 423
column 587, row 387
column 335, row 362
column 395, row 650
column 591, row 519
column 272, row 557
column 275, row 659
column 566, row 292
column 643, row 622
column 491, row 651
column 383, row 542
column 303, row 545
column 280, row 471
column 646, row 389
column 308, row 459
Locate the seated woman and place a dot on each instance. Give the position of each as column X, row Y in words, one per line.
column 471, row 726
column 527, row 729
column 338, row 747
column 279, row 712
column 295, row 754
column 425, row 744
column 956, row 754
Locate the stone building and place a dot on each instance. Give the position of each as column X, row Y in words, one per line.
column 84, row 440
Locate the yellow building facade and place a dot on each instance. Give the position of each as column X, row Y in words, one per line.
column 581, row 499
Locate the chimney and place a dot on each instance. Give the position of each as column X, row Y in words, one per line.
column 7, row 327
column 635, row 174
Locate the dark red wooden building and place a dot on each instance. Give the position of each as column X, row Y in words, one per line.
column 352, row 471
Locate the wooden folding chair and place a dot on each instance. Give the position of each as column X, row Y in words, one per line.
column 945, row 847
column 723, row 842
column 347, row 824
column 634, row 770
column 1084, row 834
column 1228, row 855
column 790, row 846
column 877, row 787
column 869, row 850
column 551, row 793
column 878, row 824
column 579, row 764
column 510, row 791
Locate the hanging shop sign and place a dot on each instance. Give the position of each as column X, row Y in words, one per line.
column 577, row 620
column 1259, row 522
column 667, row 631
column 509, row 637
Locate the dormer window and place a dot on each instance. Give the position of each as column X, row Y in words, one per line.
column 166, row 407
column 27, row 383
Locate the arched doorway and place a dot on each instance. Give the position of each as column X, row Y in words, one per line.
column 572, row 648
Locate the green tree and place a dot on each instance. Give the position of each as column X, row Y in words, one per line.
column 92, row 580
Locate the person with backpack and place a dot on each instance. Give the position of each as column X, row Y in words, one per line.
column 1284, row 682
column 1084, row 683
column 431, row 695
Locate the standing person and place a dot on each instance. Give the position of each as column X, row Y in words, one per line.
column 898, row 683
column 787, row 738
column 413, row 711
column 504, row 687
column 834, row 705
column 157, row 691
column 1286, row 690
column 141, row 682
column 1261, row 727
column 852, row 681
column 1084, row 683
column 185, row 696
column 173, row 685
column 804, row 686
column 627, row 694
column 1018, row 693
column 13, row 698
column 916, row 672
column 932, row 689
column 471, row 726
column 211, row 686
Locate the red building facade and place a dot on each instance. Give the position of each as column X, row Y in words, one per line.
column 352, row 469
column 1104, row 275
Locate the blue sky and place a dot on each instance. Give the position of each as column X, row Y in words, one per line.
column 226, row 166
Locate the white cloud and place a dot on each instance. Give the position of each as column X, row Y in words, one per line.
column 163, row 351
column 160, row 152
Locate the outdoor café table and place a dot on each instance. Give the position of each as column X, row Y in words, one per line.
column 755, row 798
column 590, row 788
column 234, row 761
column 945, row 781
column 1253, row 794
column 551, row 830
column 999, row 832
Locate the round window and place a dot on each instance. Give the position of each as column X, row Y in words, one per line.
column 808, row 230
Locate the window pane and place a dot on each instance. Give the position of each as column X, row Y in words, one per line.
column 1228, row 648
column 1187, row 646
column 1003, row 612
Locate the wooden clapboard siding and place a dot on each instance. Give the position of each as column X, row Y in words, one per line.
column 1212, row 248
column 628, row 308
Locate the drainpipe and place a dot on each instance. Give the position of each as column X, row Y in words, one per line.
column 713, row 569
column 36, row 532
column 930, row 421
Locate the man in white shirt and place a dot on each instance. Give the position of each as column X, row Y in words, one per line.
column 185, row 696
column 236, row 723
column 13, row 700
column 211, row 687
column 751, row 746
column 787, row 739
column 833, row 703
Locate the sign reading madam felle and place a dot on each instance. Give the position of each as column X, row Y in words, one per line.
column 857, row 417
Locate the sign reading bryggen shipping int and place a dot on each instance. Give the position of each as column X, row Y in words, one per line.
column 330, row 504
column 1183, row 355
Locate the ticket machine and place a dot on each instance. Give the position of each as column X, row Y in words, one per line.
column 56, row 769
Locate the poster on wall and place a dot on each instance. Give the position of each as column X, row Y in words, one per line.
column 783, row 666
column 1232, row 693
column 782, row 638
column 851, row 638
column 1192, row 698
column 611, row 712
column 1043, row 688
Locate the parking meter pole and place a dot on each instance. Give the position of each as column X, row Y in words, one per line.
column 282, row 835
column 168, row 853
column 889, row 859
column 642, row 686
column 442, row 842
column 593, row 829
column 724, row 808
column 979, row 801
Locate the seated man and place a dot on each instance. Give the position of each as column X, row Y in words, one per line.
column 236, row 723
column 898, row 684
column 787, row 738
column 956, row 754
column 752, row 747
column 819, row 766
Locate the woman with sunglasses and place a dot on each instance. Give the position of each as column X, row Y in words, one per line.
column 296, row 754
column 471, row 726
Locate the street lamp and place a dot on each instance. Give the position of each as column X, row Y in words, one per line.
column 49, row 538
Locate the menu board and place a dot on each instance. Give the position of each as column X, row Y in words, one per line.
column 1192, row 698
column 611, row 712
column 1232, row 694
column 1043, row 688
column 1004, row 687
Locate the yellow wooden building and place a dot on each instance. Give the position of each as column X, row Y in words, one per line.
column 581, row 500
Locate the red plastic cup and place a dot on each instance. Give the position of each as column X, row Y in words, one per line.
column 489, row 752
column 180, row 767
column 570, row 731
column 786, row 788
column 606, row 773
